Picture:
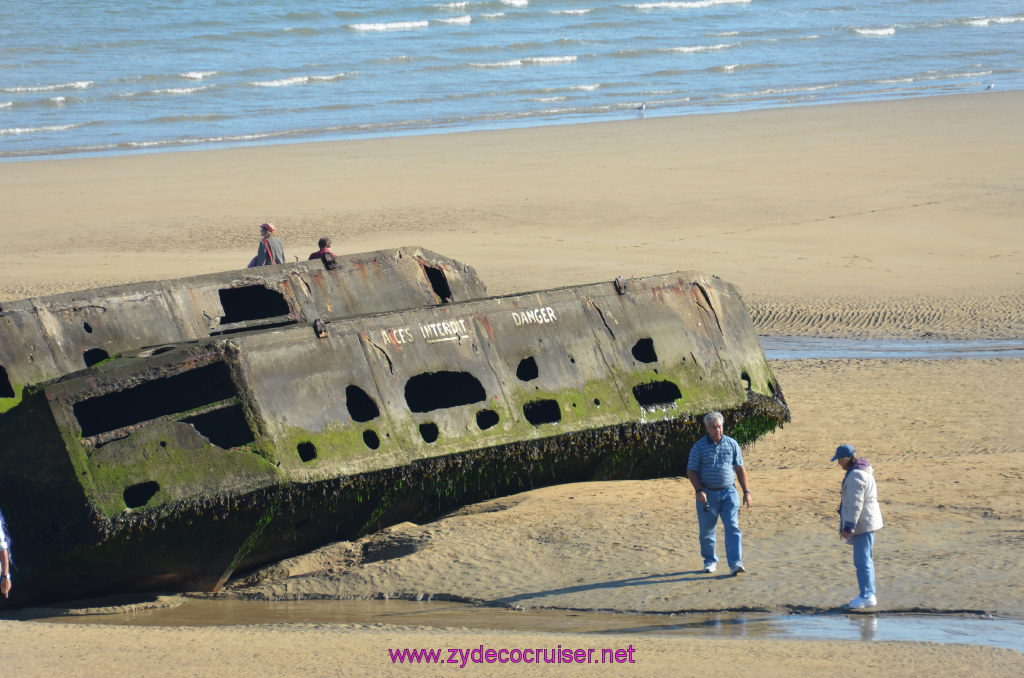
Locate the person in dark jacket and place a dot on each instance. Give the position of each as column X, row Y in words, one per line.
column 325, row 248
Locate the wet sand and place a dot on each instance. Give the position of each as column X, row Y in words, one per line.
column 896, row 219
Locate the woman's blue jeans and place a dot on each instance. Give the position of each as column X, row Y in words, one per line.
column 863, row 545
column 724, row 503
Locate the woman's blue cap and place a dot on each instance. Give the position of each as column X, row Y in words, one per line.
column 843, row 451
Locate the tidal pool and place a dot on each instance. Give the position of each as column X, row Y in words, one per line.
column 861, row 626
column 797, row 348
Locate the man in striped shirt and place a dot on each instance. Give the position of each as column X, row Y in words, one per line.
column 714, row 465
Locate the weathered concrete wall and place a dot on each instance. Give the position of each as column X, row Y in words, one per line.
column 181, row 465
column 46, row 337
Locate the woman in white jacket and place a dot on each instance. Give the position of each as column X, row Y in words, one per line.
column 859, row 518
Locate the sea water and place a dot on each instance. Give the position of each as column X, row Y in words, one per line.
column 118, row 77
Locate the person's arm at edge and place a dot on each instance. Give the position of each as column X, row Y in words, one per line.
column 5, row 568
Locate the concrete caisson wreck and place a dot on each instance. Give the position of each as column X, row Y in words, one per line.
column 172, row 468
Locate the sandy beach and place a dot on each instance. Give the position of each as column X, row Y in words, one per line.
column 889, row 219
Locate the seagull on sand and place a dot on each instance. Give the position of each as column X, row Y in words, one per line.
column 991, row 85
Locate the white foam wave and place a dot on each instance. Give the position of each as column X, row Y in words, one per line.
column 573, row 12
column 58, row 100
column 459, row 20
column 888, row 30
column 327, row 78
column 198, row 75
column 298, row 80
column 584, row 88
column 516, row 3
column 453, row 5
column 704, row 48
column 978, row 22
column 546, row 100
column 1008, row 19
column 970, row 74
column 694, row 4
column 514, row 63
column 776, row 91
column 511, row 63
column 205, row 140
column 6, row 104
column 550, row 60
column 284, row 82
column 390, row 26
column 11, row 131
column 81, row 84
column 179, row 90
column 493, row 15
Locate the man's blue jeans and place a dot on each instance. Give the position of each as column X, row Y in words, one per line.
column 724, row 503
column 863, row 545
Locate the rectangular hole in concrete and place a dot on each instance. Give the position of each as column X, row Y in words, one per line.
column 225, row 427
column 158, row 398
column 252, row 302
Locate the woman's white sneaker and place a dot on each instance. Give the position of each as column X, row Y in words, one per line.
column 860, row 602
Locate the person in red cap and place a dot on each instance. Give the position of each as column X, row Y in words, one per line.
column 271, row 250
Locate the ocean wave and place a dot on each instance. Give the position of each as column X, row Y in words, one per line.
column 189, row 117
column 511, row 63
column 298, row 80
column 694, row 4
column 178, row 90
column 459, row 20
column 703, row 48
column 81, row 84
column 328, row 78
column 571, row 12
column 876, row 32
column 390, row 26
column 514, row 63
column 550, row 59
column 198, row 75
column 492, row 15
column 984, row 21
column 13, row 131
column 516, row 3
column 775, row 91
column 6, row 104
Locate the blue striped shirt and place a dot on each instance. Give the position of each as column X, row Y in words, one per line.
column 714, row 462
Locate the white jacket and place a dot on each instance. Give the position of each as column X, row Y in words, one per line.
column 859, row 511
